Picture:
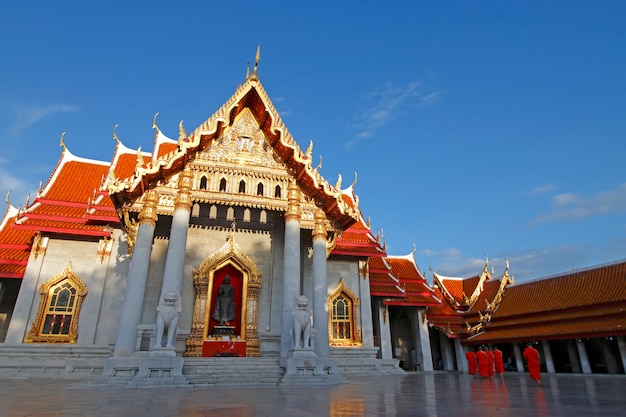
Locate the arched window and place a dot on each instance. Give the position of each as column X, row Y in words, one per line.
column 213, row 212
column 195, row 210
column 343, row 326
column 277, row 192
column 342, row 317
column 246, row 215
column 230, row 213
column 59, row 306
column 203, row 183
column 259, row 189
column 263, row 216
column 242, row 186
column 223, row 184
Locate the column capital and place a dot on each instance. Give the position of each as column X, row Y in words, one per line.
column 148, row 213
column 185, row 182
column 293, row 202
column 319, row 228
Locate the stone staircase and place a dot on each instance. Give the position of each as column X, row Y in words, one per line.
column 233, row 371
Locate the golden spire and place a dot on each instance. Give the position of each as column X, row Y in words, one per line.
column 255, row 74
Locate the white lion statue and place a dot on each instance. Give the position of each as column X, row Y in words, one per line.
column 167, row 319
column 301, row 332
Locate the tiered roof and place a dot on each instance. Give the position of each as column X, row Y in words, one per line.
column 250, row 96
column 580, row 304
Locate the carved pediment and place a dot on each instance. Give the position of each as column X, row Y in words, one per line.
column 243, row 143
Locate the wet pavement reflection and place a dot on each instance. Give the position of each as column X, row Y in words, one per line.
column 412, row 394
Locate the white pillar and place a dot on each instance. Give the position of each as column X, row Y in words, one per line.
column 582, row 354
column 621, row 344
column 137, row 278
column 177, row 246
column 424, row 339
column 547, row 354
column 320, row 286
column 365, row 309
column 291, row 259
column 386, row 346
column 461, row 362
column 519, row 360
column 573, row 357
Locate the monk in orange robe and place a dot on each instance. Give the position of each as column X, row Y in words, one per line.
column 497, row 357
column 531, row 355
column 490, row 361
column 470, row 356
column 482, row 362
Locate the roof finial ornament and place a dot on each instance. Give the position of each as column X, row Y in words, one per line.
column 61, row 143
column 414, row 249
column 40, row 190
column 354, row 182
column 7, row 199
column 182, row 135
column 247, row 70
column 255, row 74
column 338, row 184
column 154, row 125
column 115, row 133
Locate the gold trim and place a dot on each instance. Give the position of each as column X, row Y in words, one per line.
column 229, row 254
column 35, row 336
column 356, row 339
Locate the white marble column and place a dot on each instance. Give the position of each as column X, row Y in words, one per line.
column 177, row 246
column 384, row 330
column 461, row 362
column 320, row 285
column 424, row 340
column 291, row 280
column 137, row 278
column 519, row 360
column 621, row 344
column 573, row 357
column 176, row 250
column 582, row 354
column 365, row 309
column 547, row 354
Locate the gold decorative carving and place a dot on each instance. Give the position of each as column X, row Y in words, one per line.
column 229, row 254
column 356, row 339
column 104, row 249
column 130, row 227
column 293, row 202
column 319, row 228
column 57, row 321
column 183, row 198
column 148, row 214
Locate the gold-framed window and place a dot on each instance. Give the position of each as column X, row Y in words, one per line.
column 343, row 325
column 59, row 307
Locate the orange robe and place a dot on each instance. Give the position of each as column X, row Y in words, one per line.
column 489, row 362
column 471, row 362
column 497, row 356
column 532, row 358
column 483, row 365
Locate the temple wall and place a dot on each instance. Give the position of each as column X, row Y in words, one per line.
column 113, row 291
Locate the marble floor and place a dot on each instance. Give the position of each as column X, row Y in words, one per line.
column 413, row 394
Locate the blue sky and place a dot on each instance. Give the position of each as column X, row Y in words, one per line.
column 476, row 128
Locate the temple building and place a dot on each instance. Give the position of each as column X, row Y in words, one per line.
column 224, row 250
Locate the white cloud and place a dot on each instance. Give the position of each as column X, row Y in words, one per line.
column 13, row 184
column 570, row 207
column 541, row 190
column 26, row 116
column 383, row 105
